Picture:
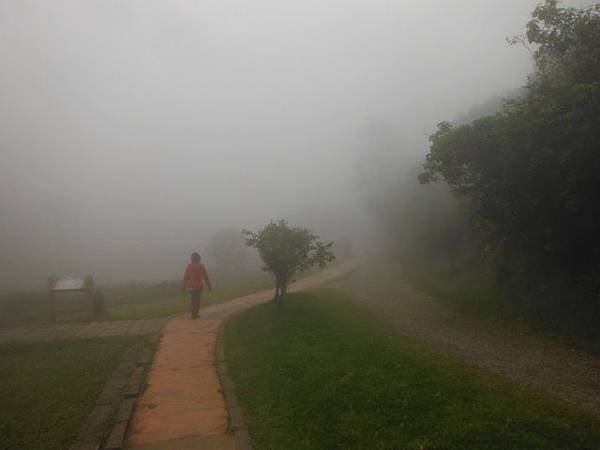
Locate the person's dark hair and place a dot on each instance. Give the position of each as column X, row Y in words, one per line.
column 195, row 257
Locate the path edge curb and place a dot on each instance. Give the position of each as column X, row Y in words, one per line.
column 237, row 424
column 108, row 422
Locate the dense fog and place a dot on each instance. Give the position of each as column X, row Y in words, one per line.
column 131, row 131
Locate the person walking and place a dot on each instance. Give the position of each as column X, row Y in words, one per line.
column 193, row 280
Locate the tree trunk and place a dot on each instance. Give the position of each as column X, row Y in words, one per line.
column 277, row 290
column 280, row 289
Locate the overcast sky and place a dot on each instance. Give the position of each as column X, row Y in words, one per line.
column 130, row 130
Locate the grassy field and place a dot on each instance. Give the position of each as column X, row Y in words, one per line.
column 321, row 373
column 133, row 301
column 48, row 389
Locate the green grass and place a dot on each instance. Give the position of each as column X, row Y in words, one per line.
column 125, row 302
column 545, row 308
column 321, row 373
column 470, row 289
column 48, row 389
column 123, row 305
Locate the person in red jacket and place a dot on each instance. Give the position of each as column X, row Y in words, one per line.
column 193, row 280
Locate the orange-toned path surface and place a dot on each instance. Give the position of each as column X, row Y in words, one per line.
column 183, row 407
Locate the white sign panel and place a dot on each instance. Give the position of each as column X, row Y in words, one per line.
column 68, row 284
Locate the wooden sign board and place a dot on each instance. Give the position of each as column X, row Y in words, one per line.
column 86, row 285
column 71, row 283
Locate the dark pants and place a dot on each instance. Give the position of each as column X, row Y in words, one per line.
column 195, row 297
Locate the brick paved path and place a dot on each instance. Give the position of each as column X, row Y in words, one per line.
column 183, row 406
column 81, row 330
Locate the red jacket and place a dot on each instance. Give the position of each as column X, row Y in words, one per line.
column 194, row 275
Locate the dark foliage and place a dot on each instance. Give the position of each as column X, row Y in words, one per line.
column 532, row 171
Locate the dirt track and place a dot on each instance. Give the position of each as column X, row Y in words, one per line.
column 542, row 365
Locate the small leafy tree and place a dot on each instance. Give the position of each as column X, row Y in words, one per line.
column 287, row 252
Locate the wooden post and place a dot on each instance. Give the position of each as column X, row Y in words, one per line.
column 98, row 302
column 51, row 299
column 95, row 295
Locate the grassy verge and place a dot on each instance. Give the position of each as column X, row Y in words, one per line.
column 467, row 291
column 549, row 309
column 48, row 389
column 321, row 373
column 133, row 301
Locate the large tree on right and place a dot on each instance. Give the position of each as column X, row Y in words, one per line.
column 532, row 171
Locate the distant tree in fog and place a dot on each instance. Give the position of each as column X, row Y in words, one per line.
column 227, row 250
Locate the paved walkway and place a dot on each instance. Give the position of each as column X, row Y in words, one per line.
column 183, row 406
column 81, row 330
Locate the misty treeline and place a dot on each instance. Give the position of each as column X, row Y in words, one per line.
column 514, row 185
